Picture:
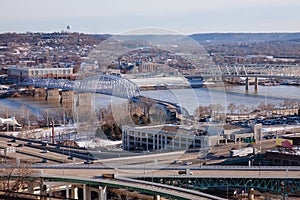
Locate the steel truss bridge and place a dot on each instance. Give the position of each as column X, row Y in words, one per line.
column 277, row 185
column 103, row 84
column 251, row 70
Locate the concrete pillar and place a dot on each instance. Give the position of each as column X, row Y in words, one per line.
column 157, row 142
column 40, row 93
column 123, row 140
column 102, row 193
column 256, row 83
column 53, row 95
column 141, row 139
column 166, row 142
column 194, row 142
column 67, row 192
column 247, row 84
column 134, row 142
column 153, row 141
column 84, row 192
column 179, row 140
column 147, row 142
column 173, row 143
column 74, row 192
column 156, row 197
column 186, row 143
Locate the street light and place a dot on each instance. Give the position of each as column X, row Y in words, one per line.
column 246, row 185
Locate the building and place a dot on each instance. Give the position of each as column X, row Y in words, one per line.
column 287, row 153
column 18, row 74
column 284, row 157
column 165, row 138
column 148, row 67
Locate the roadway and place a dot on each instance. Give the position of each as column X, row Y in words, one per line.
column 136, row 185
column 90, row 171
column 35, row 151
column 125, row 178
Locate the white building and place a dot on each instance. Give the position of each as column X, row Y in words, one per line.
column 164, row 137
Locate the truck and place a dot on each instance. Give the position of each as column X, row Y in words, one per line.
column 185, row 172
column 110, row 176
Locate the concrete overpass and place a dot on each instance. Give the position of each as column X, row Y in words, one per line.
column 281, row 180
column 99, row 185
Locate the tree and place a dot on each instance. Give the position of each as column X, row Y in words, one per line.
column 241, row 109
column 202, row 111
column 16, row 177
column 232, row 107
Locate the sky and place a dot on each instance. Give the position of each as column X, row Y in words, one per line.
column 119, row 16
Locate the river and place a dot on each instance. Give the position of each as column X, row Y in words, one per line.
column 188, row 98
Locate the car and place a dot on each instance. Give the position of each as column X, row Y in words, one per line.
column 177, row 161
column 44, row 144
column 44, row 160
column 20, row 145
column 188, row 163
column 70, row 158
column 88, row 162
column 45, row 151
column 13, row 140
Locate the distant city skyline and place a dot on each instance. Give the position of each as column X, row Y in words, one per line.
column 117, row 16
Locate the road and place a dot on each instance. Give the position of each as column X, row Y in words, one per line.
column 214, row 171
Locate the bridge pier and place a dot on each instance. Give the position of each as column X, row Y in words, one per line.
column 256, row 83
column 74, row 192
column 40, row 94
column 247, row 84
column 86, row 194
column 53, row 95
column 68, row 191
column 102, row 193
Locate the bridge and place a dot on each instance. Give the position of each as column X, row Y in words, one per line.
column 276, row 185
column 124, row 88
column 99, row 185
column 283, row 180
column 252, row 70
column 272, row 71
column 103, row 84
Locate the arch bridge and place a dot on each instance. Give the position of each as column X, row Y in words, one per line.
column 103, row 84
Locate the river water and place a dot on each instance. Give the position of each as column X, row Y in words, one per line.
column 188, row 98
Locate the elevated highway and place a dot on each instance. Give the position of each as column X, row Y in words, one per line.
column 280, row 180
column 136, row 185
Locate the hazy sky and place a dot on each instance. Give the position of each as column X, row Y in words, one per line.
column 183, row 16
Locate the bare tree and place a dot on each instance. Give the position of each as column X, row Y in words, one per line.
column 16, row 177
column 202, row 111
column 232, row 107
